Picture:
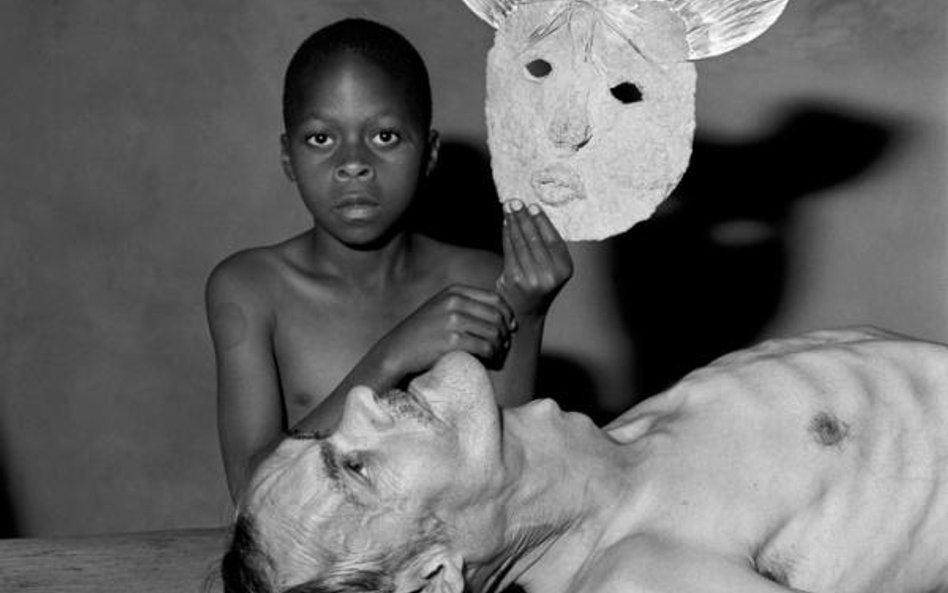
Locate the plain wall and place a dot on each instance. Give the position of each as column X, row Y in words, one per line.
column 140, row 147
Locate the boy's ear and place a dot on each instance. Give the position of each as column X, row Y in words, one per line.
column 434, row 144
column 285, row 158
column 436, row 570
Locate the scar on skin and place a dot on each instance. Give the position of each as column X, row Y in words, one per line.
column 231, row 324
column 828, row 430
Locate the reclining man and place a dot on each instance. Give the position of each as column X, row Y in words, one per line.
column 818, row 463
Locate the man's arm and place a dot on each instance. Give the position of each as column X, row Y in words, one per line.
column 249, row 403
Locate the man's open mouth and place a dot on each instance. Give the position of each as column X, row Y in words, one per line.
column 407, row 404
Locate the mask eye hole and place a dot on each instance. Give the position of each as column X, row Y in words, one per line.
column 626, row 92
column 539, row 68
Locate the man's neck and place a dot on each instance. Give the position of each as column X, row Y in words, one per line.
column 554, row 520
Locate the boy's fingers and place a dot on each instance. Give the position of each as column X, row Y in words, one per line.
column 539, row 251
column 546, row 229
column 479, row 347
column 511, row 261
column 552, row 238
column 485, row 304
column 484, row 329
column 522, row 250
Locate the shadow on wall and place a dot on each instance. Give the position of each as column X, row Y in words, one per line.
column 8, row 524
column 707, row 272
column 459, row 202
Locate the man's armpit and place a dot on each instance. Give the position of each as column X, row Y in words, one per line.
column 656, row 564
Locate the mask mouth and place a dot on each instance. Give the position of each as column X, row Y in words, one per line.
column 558, row 185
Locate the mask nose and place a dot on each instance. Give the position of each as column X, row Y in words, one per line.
column 570, row 129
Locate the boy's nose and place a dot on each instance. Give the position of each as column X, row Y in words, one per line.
column 353, row 169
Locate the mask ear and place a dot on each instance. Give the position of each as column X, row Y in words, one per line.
column 492, row 12
column 285, row 158
column 714, row 27
column 434, row 571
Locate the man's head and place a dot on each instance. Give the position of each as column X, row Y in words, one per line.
column 388, row 502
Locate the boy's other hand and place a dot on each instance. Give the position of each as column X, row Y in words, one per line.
column 466, row 318
column 537, row 262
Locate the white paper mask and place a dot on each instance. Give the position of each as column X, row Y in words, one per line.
column 590, row 103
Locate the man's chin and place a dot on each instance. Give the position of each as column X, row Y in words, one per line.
column 456, row 385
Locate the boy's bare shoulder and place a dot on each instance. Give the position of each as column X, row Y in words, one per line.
column 463, row 265
column 253, row 271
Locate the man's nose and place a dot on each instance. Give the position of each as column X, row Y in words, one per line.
column 354, row 165
column 570, row 129
column 362, row 413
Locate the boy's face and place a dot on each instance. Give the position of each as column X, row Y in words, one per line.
column 358, row 150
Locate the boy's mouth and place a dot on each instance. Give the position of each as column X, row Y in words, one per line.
column 356, row 207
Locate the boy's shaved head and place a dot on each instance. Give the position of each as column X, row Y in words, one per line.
column 372, row 41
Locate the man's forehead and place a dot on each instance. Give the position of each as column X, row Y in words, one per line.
column 290, row 496
column 304, row 518
column 289, row 478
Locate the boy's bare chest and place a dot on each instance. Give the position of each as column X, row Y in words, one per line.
column 317, row 341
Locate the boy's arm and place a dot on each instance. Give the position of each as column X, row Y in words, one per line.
column 537, row 264
column 249, row 404
column 459, row 317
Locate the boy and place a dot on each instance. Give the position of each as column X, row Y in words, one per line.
column 361, row 299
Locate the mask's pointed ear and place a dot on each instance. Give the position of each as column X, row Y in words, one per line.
column 492, row 12
column 714, row 27
column 434, row 571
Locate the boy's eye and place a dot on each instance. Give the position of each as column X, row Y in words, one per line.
column 319, row 140
column 386, row 138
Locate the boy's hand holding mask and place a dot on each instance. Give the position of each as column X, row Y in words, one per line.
column 537, row 262
column 590, row 103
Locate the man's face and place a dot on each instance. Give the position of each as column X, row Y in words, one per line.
column 357, row 151
column 396, row 464
column 590, row 111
